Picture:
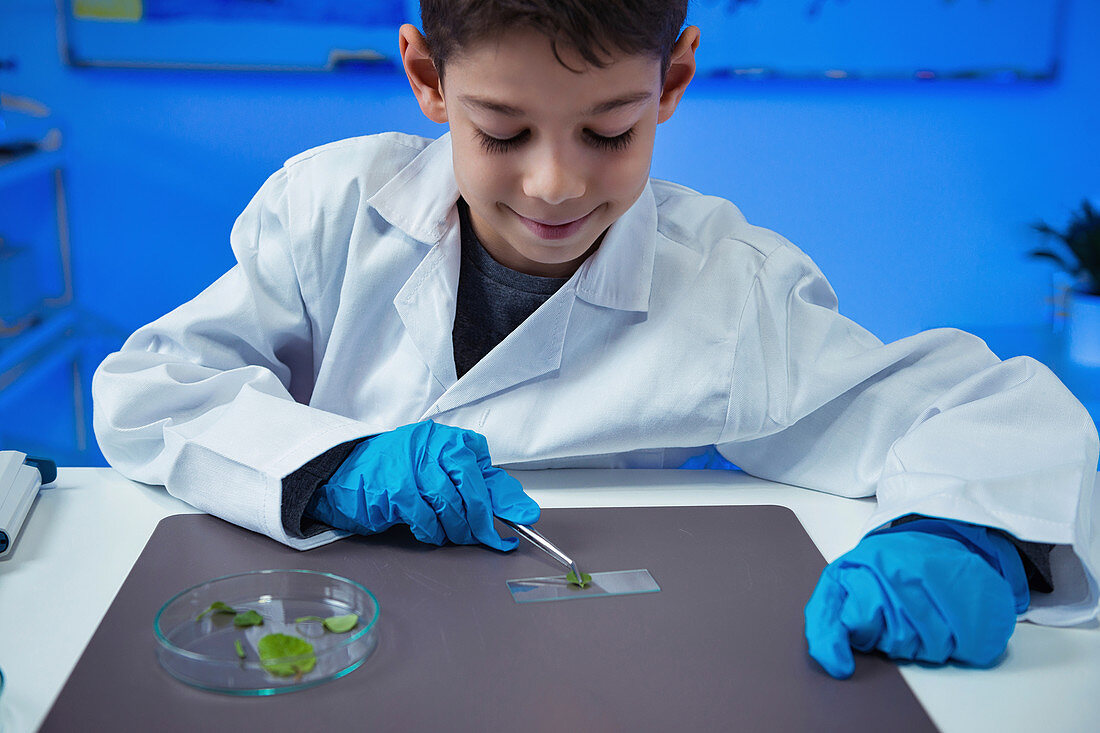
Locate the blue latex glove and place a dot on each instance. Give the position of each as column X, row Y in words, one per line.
column 709, row 459
column 928, row 590
column 437, row 479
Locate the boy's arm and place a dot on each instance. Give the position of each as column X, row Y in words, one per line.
column 933, row 424
column 209, row 399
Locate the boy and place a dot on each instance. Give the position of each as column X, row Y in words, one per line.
column 522, row 277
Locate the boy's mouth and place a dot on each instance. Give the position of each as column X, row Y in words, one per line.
column 553, row 230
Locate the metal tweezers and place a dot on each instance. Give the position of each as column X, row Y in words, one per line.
column 532, row 535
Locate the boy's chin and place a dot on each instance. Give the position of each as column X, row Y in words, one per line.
column 567, row 258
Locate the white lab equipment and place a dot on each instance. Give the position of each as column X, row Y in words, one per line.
column 20, row 479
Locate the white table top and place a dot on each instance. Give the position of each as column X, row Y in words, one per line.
column 85, row 533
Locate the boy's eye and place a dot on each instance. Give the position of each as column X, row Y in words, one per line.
column 503, row 145
column 500, row 145
column 618, row 142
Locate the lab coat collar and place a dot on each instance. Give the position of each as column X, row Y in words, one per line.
column 620, row 273
column 420, row 200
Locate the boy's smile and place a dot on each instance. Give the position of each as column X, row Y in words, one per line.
column 548, row 157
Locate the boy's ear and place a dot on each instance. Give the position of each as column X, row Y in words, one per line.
column 681, row 68
column 419, row 67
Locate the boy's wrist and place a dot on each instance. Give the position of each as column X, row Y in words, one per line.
column 300, row 487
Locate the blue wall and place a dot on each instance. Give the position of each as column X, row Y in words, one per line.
column 915, row 198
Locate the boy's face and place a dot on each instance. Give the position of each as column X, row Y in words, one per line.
column 548, row 158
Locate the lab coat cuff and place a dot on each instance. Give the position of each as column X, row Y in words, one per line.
column 1076, row 594
column 293, row 460
column 317, row 540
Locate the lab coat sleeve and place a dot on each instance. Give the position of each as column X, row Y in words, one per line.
column 933, row 424
column 209, row 400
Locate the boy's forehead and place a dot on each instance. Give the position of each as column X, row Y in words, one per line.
column 491, row 104
column 495, row 68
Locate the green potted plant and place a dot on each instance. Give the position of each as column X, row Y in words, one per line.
column 1080, row 260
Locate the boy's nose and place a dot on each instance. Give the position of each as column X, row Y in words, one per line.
column 553, row 179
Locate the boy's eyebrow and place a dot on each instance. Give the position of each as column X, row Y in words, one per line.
column 490, row 105
column 624, row 101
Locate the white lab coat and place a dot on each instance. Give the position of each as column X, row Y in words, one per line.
column 688, row 328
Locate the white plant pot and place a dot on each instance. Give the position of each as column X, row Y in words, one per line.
column 1083, row 328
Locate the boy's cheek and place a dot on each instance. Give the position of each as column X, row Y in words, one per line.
column 472, row 170
column 628, row 177
column 478, row 181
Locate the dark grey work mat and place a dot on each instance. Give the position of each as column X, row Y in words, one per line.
column 721, row 647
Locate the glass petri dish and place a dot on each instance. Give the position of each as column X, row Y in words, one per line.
column 211, row 653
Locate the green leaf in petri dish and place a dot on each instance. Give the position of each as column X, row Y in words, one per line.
column 341, row 624
column 216, row 607
column 335, row 624
column 248, row 618
column 280, row 646
column 239, row 647
column 571, row 578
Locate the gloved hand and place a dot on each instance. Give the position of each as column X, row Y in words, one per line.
column 928, row 590
column 437, row 479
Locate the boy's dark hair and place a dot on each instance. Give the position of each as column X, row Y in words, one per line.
column 593, row 28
